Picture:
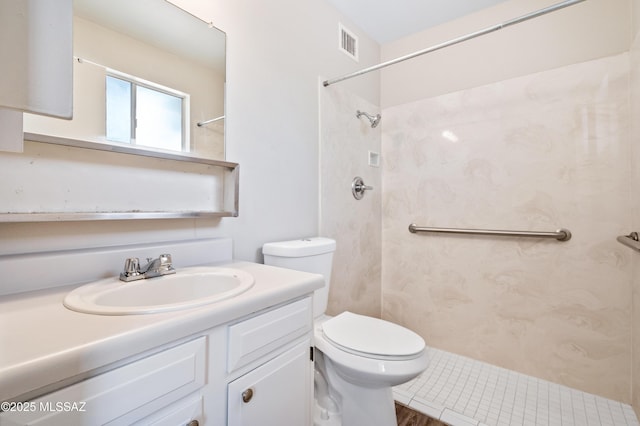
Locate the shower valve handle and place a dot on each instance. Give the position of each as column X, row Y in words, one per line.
column 358, row 188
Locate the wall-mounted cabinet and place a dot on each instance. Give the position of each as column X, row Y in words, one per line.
column 36, row 48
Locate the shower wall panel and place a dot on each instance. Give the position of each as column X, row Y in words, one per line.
column 345, row 142
column 539, row 152
column 635, row 223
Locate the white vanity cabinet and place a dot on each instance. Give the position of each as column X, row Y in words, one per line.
column 278, row 389
column 153, row 386
column 256, row 370
column 274, row 394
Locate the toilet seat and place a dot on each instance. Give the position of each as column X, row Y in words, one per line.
column 372, row 337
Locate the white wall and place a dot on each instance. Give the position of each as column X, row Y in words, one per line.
column 276, row 52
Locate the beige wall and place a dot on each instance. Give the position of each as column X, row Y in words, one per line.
column 538, row 152
column 585, row 31
column 635, row 18
column 527, row 128
column 355, row 224
column 634, row 190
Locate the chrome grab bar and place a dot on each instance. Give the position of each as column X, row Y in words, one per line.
column 560, row 235
column 630, row 240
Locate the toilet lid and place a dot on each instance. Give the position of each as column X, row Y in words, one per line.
column 372, row 336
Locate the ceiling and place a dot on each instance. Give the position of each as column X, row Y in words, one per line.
column 387, row 20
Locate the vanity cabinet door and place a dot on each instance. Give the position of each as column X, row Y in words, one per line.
column 277, row 393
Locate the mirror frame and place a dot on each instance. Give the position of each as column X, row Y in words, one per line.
column 231, row 186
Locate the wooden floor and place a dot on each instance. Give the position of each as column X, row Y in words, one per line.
column 408, row 417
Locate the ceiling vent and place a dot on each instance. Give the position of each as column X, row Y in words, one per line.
column 347, row 42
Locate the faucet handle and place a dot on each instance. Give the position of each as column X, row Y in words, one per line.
column 166, row 265
column 131, row 270
column 165, row 260
column 132, row 266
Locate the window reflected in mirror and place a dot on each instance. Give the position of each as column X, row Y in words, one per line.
column 145, row 74
column 145, row 115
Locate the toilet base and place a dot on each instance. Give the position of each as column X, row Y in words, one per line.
column 356, row 405
column 324, row 417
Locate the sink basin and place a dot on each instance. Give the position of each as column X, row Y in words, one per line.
column 187, row 288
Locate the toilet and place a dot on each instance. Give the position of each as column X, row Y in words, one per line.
column 358, row 358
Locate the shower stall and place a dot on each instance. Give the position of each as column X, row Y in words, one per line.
column 541, row 151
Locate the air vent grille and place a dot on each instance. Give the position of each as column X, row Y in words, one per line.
column 347, row 42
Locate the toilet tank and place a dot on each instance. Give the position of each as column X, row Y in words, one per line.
column 309, row 255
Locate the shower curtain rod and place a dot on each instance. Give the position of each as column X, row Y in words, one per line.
column 457, row 40
column 204, row 123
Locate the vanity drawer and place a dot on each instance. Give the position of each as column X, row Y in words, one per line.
column 257, row 336
column 179, row 413
column 124, row 395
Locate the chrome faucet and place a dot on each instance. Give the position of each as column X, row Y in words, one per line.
column 154, row 268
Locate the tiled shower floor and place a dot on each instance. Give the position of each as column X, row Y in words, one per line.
column 463, row 392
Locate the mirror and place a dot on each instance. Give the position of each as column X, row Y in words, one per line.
column 146, row 74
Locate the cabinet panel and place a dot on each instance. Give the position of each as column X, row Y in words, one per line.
column 123, row 395
column 276, row 393
column 179, row 413
column 257, row 336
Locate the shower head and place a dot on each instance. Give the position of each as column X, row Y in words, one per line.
column 374, row 120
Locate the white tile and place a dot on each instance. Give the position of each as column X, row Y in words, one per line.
column 426, row 407
column 470, row 413
column 455, row 419
column 402, row 396
column 468, row 392
column 629, row 415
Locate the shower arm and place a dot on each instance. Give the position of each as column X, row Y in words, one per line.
column 374, row 120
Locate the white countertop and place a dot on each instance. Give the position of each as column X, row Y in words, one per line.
column 42, row 342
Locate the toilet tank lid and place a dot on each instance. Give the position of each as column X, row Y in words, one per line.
column 300, row 248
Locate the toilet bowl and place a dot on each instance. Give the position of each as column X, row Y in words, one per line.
column 361, row 358
column 358, row 358
column 370, row 352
